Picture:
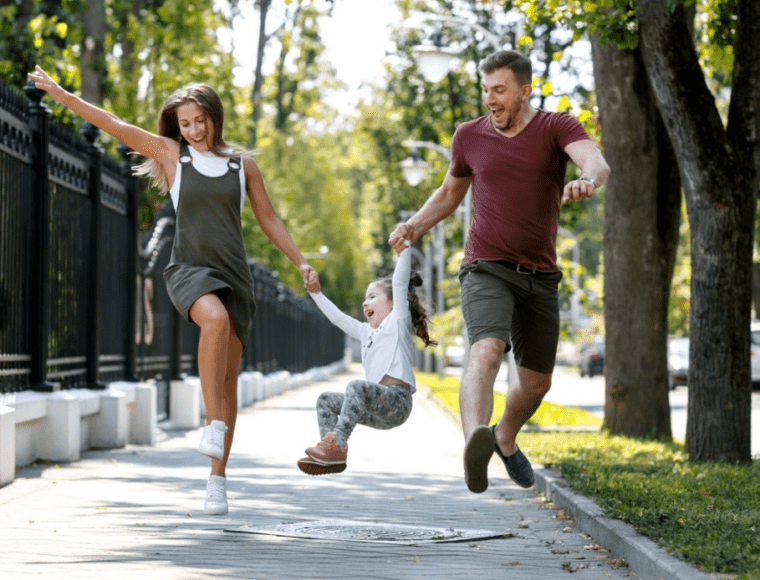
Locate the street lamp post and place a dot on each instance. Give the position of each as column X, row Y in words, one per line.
column 434, row 60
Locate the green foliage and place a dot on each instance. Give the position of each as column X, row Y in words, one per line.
column 309, row 183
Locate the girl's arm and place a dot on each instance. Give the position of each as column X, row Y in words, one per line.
column 164, row 150
column 346, row 323
column 272, row 226
column 400, row 281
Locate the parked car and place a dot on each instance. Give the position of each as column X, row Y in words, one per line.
column 455, row 353
column 678, row 361
column 592, row 358
column 754, row 351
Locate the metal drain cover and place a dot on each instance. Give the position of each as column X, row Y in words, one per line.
column 353, row 531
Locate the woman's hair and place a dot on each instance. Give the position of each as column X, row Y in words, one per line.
column 417, row 310
column 168, row 126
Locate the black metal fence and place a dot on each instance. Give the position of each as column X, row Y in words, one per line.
column 82, row 298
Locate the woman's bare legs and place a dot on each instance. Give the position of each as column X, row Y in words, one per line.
column 219, row 352
column 229, row 402
column 210, row 313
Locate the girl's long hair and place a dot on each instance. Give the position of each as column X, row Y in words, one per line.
column 416, row 309
column 168, row 126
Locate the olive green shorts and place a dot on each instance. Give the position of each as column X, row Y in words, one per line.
column 518, row 308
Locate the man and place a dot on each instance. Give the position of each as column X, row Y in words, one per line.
column 515, row 158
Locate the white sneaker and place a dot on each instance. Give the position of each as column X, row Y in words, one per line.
column 212, row 441
column 216, row 496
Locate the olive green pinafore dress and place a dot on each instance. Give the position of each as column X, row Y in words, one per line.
column 208, row 253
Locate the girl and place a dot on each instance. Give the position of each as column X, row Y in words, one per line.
column 208, row 277
column 384, row 400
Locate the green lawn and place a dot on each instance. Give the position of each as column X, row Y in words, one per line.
column 706, row 514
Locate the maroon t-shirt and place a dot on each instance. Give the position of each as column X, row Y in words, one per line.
column 517, row 185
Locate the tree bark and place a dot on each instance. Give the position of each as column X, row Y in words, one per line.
column 93, row 60
column 641, row 219
column 719, row 169
column 258, row 79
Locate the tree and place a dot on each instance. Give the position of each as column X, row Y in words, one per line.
column 641, row 220
column 93, row 57
column 720, row 171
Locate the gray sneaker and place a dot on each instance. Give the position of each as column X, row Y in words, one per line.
column 518, row 467
column 477, row 454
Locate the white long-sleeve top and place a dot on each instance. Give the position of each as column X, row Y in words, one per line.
column 387, row 349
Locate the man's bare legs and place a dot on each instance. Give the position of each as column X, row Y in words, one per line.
column 476, row 394
column 476, row 391
column 476, row 407
column 523, row 399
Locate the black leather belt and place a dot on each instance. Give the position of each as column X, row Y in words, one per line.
column 517, row 268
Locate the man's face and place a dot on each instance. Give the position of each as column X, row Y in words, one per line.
column 504, row 96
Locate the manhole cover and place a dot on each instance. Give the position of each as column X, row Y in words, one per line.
column 353, row 531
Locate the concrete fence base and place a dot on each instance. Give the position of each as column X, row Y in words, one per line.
column 59, row 426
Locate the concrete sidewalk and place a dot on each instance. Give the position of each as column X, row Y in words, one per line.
column 137, row 512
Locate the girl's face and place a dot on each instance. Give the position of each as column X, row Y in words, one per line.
column 195, row 126
column 377, row 305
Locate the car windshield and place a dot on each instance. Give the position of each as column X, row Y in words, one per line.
column 755, row 337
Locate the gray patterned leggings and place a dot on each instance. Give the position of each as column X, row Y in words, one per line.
column 365, row 403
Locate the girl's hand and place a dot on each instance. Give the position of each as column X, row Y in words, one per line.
column 310, row 278
column 43, row 82
column 401, row 237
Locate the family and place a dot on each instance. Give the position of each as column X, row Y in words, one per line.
column 514, row 158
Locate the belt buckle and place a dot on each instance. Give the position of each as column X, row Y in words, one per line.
column 522, row 270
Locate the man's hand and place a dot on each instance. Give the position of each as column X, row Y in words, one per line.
column 400, row 236
column 577, row 190
column 310, row 278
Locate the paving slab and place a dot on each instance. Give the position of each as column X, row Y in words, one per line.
column 137, row 512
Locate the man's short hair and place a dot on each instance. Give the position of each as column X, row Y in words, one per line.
column 518, row 63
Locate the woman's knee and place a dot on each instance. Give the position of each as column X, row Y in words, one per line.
column 209, row 313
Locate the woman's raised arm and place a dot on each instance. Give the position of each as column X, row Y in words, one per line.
column 162, row 149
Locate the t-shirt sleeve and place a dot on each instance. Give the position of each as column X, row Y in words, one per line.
column 458, row 166
column 568, row 130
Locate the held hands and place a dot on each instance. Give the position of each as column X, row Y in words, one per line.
column 43, row 82
column 401, row 237
column 310, row 278
column 577, row 190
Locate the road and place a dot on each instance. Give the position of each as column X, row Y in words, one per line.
column 568, row 388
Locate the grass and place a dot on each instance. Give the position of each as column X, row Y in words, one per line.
column 707, row 514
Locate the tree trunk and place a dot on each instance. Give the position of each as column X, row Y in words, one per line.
column 641, row 219
column 258, row 79
column 93, row 58
column 719, row 170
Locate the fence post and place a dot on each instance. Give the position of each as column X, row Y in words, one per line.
column 39, row 122
column 95, row 154
column 130, row 273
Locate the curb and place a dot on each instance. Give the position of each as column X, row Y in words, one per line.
column 645, row 558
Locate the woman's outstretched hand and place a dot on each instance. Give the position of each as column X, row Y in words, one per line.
column 44, row 82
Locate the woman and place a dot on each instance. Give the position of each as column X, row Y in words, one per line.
column 208, row 278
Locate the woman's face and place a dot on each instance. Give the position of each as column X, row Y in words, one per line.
column 195, row 126
column 377, row 305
